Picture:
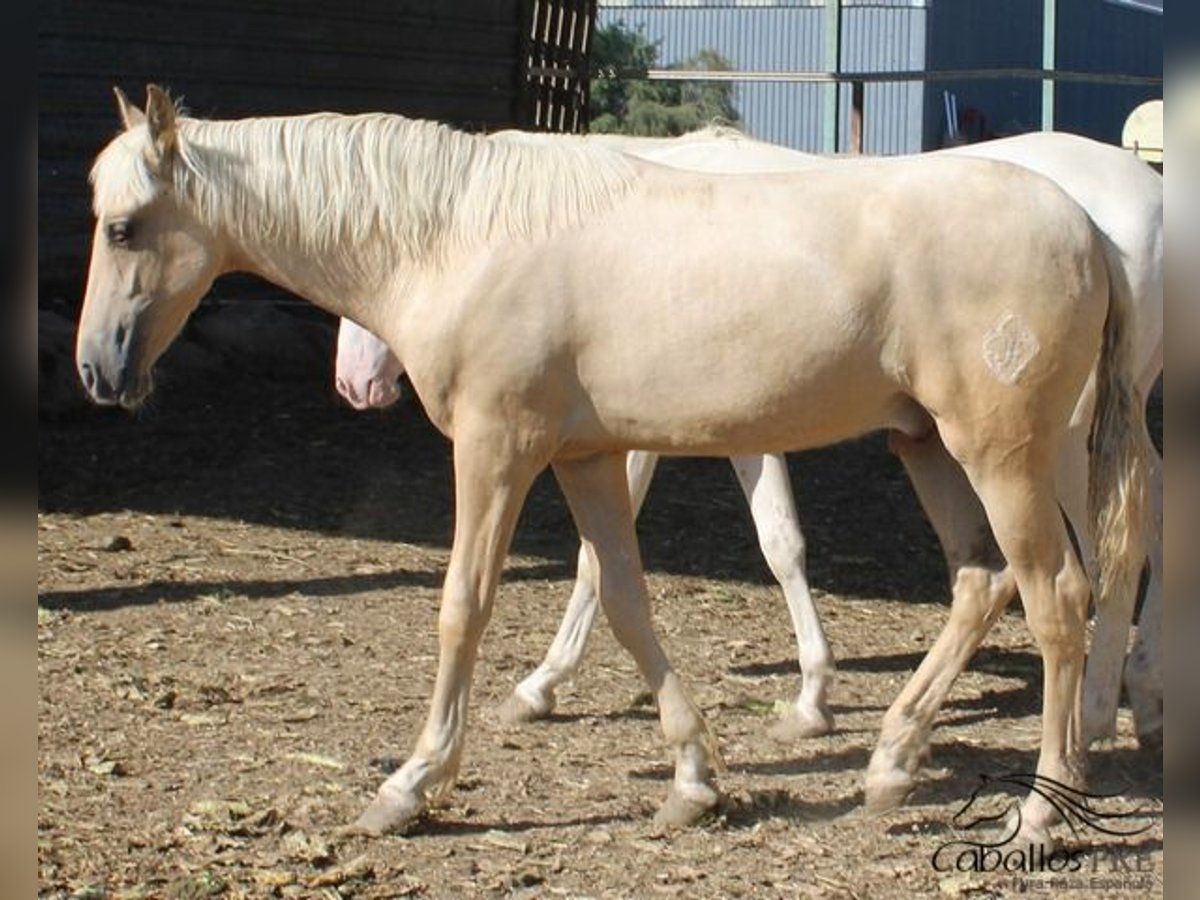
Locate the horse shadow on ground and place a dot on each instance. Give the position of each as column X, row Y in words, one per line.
column 1019, row 700
column 154, row 592
column 436, row 825
column 947, row 782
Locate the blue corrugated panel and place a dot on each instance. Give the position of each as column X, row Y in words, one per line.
column 788, row 36
column 979, row 34
column 883, row 37
column 752, row 38
column 1105, row 37
column 1092, row 36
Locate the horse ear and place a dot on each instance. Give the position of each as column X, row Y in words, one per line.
column 131, row 116
column 160, row 118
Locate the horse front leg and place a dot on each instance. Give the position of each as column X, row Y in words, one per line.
column 534, row 698
column 491, row 481
column 595, row 489
column 768, row 490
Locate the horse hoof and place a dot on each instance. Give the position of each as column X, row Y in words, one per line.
column 519, row 709
column 680, row 811
column 1030, row 833
column 1103, row 728
column 887, row 789
column 797, row 725
column 387, row 813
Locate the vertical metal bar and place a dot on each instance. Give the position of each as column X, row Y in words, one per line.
column 585, row 55
column 1049, row 46
column 833, row 53
column 856, row 117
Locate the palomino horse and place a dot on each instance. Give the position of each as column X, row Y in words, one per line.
column 1124, row 198
column 560, row 304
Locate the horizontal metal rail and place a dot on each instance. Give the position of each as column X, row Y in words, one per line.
column 851, row 77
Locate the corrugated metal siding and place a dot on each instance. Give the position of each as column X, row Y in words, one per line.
column 1102, row 37
column 788, row 36
column 978, row 34
column 1093, row 36
column 232, row 59
column 883, row 37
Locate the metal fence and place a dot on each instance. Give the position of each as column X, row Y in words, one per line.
column 871, row 75
column 791, row 36
column 556, row 36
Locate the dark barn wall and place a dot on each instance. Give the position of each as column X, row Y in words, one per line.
column 458, row 62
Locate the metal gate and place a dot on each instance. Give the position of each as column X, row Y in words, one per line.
column 900, row 76
column 557, row 35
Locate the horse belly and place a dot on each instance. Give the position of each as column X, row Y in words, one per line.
column 735, row 377
column 707, row 339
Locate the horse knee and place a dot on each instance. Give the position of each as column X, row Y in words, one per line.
column 783, row 549
column 979, row 592
column 462, row 616
column 1062, row 622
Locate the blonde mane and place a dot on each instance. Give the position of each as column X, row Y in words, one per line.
column 367, row 187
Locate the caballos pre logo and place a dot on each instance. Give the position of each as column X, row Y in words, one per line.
column 1085, row 813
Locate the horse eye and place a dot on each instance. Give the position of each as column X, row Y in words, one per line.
column 119, row 232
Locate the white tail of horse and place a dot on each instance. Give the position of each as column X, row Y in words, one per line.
column 1118, row 479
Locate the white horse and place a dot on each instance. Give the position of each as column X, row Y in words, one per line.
column 1124, row 198
column 366, row 371
column 541, row 320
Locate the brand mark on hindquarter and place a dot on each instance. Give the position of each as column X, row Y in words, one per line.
column 1008, row 348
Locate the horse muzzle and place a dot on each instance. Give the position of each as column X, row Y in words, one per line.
column 113, row 382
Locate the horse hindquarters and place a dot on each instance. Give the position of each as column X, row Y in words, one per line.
column 1011, row 466
column 981, row 586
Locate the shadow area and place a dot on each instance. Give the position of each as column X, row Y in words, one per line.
column 432, row 825
column 288, row 453
column 1123, row 779
column 1014, row 702
column 153, row 592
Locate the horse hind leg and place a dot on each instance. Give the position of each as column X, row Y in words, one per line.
column 595, row 489
column 1021, row 505
column 534, row 697
column 765, row 482
column 982, row 587
column 1110, row 635
column 1143, row 669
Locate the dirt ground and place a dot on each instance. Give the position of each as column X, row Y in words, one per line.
column 237, row 596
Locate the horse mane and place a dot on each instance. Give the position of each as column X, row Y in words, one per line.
column 716, row 130
column 365, row 186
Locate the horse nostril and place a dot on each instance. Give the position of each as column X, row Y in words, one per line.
column 120, row 335
column 88, row 376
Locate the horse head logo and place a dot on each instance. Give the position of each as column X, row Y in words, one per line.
column 1081, row 810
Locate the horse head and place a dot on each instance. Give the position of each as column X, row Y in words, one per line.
column 152, row 260
column 367, row 372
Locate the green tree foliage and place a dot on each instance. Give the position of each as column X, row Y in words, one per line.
column 653, row 108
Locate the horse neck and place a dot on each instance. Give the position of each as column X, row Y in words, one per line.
column 282, row 224
column 341, row 209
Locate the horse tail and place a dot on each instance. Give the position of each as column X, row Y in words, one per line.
column 1119, row 466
